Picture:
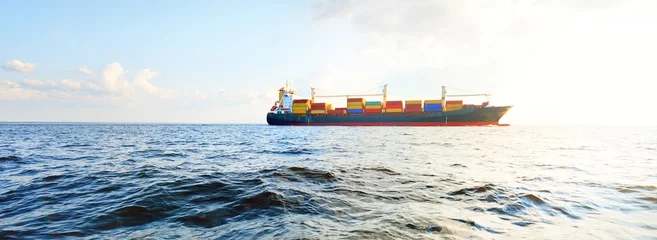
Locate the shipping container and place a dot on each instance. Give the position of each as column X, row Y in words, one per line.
column 434, row 101
column 454, row 102
column 317, row 111
column 339, row 112
column 394, row 104
column 433, row 105
column 413, row 106
column 413, row 102
column 372, row 110
column 396, row 110
column 354, row 111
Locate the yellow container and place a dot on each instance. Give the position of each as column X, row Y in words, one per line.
column 299, row 108
column 435, row 101
column 317, row 111
column 394, row 110
column 413, row 101
column 373, row 107
column 355, row 104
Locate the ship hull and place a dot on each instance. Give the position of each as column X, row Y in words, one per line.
column 464, row 117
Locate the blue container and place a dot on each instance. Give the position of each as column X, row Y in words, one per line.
column 433, row 105
column 355, row 111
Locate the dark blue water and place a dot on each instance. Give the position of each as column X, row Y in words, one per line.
column 257, row 181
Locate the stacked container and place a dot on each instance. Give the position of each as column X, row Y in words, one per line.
column 453, row 105
column 433, row 105
column 373, row 107
column 319, row 108
column 337, row 111
column 300, row 106
column 355, row 105
column 413, row 106
column 394, row 106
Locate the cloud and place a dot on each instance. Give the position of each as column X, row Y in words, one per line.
column 71, row 84
column 39, row 84
column 13, row 91
column 141, row 81
column 113, row 78
column 16, row 65
column 86, row 71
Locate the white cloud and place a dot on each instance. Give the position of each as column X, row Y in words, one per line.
column 71, row 84
column 92, row 86
column 13, row 91
column 113, row 78
column 141, row 81
column 39, row 84
column 17, row 65
column 86, row 71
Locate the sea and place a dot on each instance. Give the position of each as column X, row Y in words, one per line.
column 172, row 181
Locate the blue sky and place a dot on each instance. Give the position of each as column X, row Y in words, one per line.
column 222, row 61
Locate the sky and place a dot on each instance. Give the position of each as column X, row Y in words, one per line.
column 556, row 62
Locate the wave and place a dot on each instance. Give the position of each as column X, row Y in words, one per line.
column 10, row 159
column 301, row 174
column 383, row 170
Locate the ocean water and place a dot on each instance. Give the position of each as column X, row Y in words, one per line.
column 108, row 181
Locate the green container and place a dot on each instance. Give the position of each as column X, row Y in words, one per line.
column 373, row 103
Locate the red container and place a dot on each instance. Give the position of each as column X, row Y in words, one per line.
column 336, row 112
column 394, row 105
column 341, row 109
column 468, row 106
column 454, row 102
column 413, row 106
column 354, row 99
column 394, row 102
column 372, row 110
column 300, row 100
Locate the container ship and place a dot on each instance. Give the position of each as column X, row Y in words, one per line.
column 360, row 112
